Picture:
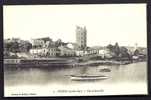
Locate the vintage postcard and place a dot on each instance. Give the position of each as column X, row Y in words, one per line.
column 75, row 50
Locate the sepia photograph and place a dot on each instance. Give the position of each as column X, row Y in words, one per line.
column 75, row 50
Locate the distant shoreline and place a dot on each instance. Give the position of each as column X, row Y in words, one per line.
column 60, row 62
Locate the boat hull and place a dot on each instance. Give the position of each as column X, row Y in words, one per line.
column 87, row 78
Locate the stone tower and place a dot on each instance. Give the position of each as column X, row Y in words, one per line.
column 81, row 37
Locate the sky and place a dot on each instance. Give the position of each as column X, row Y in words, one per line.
column 105, row 23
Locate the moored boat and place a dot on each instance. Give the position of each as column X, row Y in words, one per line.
column 87, row 77
column 105, row 70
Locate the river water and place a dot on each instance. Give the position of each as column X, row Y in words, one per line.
column 55, row 81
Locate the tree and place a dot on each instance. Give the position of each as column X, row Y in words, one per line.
column 124, row 53
column 7, row 46
column 59, row 43
column 110, row 47
column 136, row 52
column 119, row 52
column 29, row 46
column 25, row 46
column 14, row 47
column 116, row 49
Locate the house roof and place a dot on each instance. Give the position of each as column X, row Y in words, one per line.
column 44, row 38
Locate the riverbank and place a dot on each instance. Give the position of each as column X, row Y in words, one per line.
column 102, row 62
column 60, row 62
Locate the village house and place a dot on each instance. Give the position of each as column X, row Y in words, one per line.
column 65, row 51
column 38, row 51
column 40, row 42
column 44, row 47
column 46, row 52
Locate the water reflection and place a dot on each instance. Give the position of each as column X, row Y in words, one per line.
column 135, row 72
